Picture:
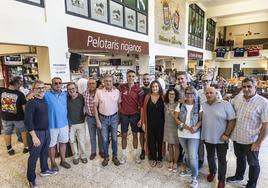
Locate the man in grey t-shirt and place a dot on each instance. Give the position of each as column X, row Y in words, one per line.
column 217, row 124
column 76, row 120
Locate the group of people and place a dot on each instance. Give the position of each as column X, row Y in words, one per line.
column 185, row 119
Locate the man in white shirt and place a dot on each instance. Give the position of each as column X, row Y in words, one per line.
column 82, row 83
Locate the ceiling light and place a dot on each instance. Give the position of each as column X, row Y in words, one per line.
column 94, row 55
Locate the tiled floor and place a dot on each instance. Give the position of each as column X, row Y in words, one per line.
column 92, row 174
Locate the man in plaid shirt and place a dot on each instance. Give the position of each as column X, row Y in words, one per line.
column 250, row 130
column 89, row 95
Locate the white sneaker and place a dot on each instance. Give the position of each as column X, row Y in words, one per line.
column 194, row 184
column 123, row 159
column 137, row 159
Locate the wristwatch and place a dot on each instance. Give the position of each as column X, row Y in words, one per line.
column 180, row 126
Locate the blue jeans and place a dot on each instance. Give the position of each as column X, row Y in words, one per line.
column 109, row 125
column 93, row 132
column 38, row 152
column 190, row 147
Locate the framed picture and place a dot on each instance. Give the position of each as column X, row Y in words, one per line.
column 142, row 23
column 39, row 3
column 142, row 5
column 94, row 70
column 130, row 19
column 116, row 14
column 99, row 10
column 77, row 7
column 130, row 3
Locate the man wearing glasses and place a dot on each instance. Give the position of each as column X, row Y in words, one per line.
column 58, row 122
column 36, row 122
column 250, row 130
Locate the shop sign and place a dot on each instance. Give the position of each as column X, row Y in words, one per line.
column 96, row 42
column 195, row 55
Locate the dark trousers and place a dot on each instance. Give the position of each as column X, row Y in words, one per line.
column 38, row 152
column 221, row 150
column 155, row 141
column 243, row 153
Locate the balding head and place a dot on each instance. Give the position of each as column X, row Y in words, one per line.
column 211, row 94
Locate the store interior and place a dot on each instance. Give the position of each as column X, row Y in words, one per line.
column 28, row 62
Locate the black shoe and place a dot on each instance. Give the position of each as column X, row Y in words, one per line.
column 25, row 150
column 142, row 156
column 84, row 160
column 11, row 152
column 234, row 179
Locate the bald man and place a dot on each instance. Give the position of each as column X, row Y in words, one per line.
column 217, row 125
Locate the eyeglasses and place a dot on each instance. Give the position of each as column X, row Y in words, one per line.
column 171, row 93
column 189, row 93
column 57, row 83
column 40, row 88
column 70, row 89
column 205, row 80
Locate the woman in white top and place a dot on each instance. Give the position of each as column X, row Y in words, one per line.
column 188, row 117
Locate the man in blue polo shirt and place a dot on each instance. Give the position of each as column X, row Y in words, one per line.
column 58, row 122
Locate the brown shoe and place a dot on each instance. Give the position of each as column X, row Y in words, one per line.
column 102, row 155
column 64, row 164
column 92, row 156
column 105, row 162
column 116, row 161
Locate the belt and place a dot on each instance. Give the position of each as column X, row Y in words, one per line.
column 108, row 116
column 90, row 115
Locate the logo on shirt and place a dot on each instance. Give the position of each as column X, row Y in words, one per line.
column 8, row 101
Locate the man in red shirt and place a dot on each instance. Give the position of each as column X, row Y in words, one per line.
column 131, row 102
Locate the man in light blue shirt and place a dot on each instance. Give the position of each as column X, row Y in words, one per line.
column 58, row 122
column 217, row 124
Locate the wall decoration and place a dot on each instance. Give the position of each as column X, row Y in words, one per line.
column 130, row 3
column 94, row 70
column 142, row 5
column 142, row 23
column 130, row 19
column 98, row 9
column 116, row 14
column 79, row 7
column 39, row 3
column 170, row 16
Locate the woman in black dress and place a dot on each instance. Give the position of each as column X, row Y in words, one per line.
column 154, row 125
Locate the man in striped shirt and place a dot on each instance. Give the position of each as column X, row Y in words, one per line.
column 250, row 131
column 89, row 95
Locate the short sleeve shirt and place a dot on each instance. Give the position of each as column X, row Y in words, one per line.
column 12, row 102
column 107, row 101
column 131, row 99
column 57, row 109
column 214, row 120
column 250, row 114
